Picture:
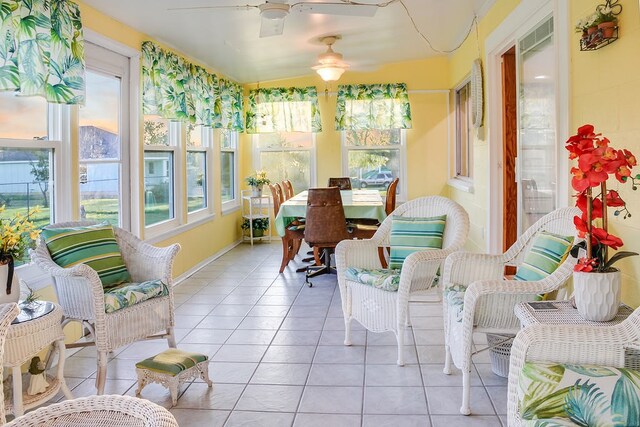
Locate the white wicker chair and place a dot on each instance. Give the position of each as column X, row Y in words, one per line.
column 81, row 295
column 570, row 344
column 489, row 300
column 99, row 411
column 8, row 312
column 379, row 310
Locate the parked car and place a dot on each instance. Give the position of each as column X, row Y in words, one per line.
column 379, row 179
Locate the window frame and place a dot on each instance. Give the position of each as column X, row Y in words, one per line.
column 402, row 154
column 233, row 204
column 456, row 179
column 312, row 155
column 207, row 149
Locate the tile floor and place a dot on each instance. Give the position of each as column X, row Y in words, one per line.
column 277, row 357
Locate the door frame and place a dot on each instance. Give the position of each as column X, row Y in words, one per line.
column 523, row 19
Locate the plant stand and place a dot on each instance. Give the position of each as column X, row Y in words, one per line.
column 255, row 208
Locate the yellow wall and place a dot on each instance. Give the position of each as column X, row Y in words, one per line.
column 605, row 87
column 426, row 141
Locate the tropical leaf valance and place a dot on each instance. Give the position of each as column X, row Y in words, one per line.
column 176, row 89
column 42, row 50
column 280, row 109
column 377, row 106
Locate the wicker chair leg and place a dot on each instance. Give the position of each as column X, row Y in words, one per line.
column 408, row 322
column 347, row 332
column 101, row 376
column 400, row 338
column 447, row 360
column 171, row 337
column 465, row 409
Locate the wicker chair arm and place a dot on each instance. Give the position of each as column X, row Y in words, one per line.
column 431, row 259
column 357, row 253
column 145, row 261
column 466, row 267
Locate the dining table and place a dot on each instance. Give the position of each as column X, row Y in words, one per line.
column 357, row 204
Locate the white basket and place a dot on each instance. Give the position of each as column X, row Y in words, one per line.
column 499, row 353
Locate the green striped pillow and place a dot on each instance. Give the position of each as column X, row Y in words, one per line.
column 546, row 254
column 172, row 361
column 94, row 245
column 409, row 235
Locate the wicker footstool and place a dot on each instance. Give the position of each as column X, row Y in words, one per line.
column 171, row 368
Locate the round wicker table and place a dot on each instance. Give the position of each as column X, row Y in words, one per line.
column 37, row 328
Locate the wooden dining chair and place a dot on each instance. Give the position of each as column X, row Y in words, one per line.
column 287, row 187
column 390, row 202
column 343, row 183
column 293, row 233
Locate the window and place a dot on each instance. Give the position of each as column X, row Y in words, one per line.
column 160, row 151
column 198, row 164
column 287, row 156
column 463, row 131
column 373, row 158
column 228, row 168
column 29, row 147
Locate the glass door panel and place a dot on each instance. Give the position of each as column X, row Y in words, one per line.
column 536, row 163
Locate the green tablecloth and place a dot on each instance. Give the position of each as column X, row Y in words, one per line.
column 357, row 204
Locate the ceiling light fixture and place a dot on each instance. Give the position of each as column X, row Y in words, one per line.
column 330, row 64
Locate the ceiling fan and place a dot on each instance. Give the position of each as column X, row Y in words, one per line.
column 273, row 12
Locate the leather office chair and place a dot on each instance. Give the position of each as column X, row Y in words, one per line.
column 343, row 183
column 326, row 226
column 287, row 187
column 293, row 233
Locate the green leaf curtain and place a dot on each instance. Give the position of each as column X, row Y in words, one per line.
column 282, row 109
column 176, row 89
column 377, row 106
column 42, row 50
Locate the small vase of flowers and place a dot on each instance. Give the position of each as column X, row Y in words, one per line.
column 17, row 235
column 257, row 181
column 596, row 281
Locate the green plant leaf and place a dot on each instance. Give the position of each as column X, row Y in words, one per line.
column 549, row 406
column 591, row 370
column 625, row 401
column 587, row 406
column 617, row 257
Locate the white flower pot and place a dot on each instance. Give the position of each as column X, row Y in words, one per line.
column 256, row 191
column 597, row 295
column 14, row 293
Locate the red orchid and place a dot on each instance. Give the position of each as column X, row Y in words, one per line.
column 597, row 160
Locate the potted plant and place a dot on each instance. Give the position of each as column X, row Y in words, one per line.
column 596, row 282
column 590, row 23
column 257, row 181
column 259, row 226
column 606, row 21
column 16, row 237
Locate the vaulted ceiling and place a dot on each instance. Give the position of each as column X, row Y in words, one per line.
column 228, row 39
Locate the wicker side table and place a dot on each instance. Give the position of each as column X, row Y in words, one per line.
column 34, row 330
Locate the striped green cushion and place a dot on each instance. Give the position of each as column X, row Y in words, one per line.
column 547, row 252
column 172, row 361
column 94, row 246
column 409, row 235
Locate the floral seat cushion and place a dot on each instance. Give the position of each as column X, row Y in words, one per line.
column 454, row 296
column 129, row 294
column 385, row 279
column 584, row 395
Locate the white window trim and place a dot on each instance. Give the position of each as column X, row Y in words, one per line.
column 234, row 204
column 402, row 151
column 207, row 148
column 312, row 156
column 463, row 183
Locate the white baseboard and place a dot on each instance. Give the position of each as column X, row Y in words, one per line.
column 201, row 264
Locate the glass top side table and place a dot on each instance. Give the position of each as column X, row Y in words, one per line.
column 38, row 327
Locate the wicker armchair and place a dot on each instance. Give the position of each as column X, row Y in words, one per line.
column 489, row 299
column 108, row 410
column 599, row 345
column 81, row 295
column 8, row 312
column 380, row 310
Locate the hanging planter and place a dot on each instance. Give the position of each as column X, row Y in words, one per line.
column 600, row 28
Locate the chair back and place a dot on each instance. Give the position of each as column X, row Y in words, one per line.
column 276, row 193
column 326, row 224
column 288, row 189
column 8, row 312
column 390, row 202
column 343, row 183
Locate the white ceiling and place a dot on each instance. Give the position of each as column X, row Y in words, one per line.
column 227, row 39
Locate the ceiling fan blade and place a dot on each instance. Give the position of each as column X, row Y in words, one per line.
column 271, row 27
column 336, row 9
column 237, row 7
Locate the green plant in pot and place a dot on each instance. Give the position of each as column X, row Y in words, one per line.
column 606, row 20
column 257, row 181
column 260, row 225
column 596, row 282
